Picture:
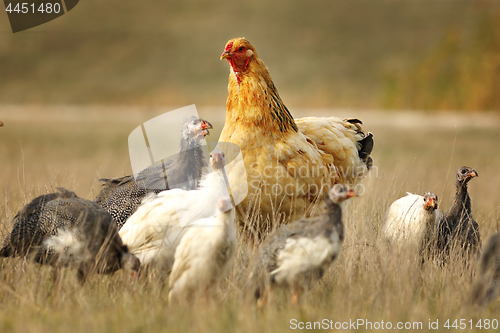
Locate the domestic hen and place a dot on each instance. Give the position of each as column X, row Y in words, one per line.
column 290, row 164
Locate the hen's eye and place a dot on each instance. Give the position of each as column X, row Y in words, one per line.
column 241, row 48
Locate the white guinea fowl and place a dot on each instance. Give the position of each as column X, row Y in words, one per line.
column 153, row 232
column 411, row 218
column 204, row 254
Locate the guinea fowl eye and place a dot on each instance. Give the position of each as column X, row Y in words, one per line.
column 464, row 171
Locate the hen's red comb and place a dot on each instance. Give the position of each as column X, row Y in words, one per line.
column 229, row 46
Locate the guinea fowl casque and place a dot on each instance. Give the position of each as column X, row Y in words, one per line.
column 290, row 163
column 153, row 232
column 412, row 220
column 457, row 229
column 297, row 254
column 121, row 196
column 203, row 256
column 63, row 229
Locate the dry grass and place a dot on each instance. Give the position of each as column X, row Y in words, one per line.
column 44, row 148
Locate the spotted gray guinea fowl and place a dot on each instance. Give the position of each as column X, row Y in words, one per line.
column 487, row 285
column 457, row 229
column 297, row 254
column 61, row 229
column 121, row 196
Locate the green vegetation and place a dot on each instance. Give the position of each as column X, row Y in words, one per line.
column 461, row 73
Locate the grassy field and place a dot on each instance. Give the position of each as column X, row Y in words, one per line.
column 42, row 148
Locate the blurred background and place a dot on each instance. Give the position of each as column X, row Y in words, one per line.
column 424, row 76
column 419, row 55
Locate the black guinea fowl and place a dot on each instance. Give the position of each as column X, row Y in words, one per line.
column 122, row 196
column 61, row 229
column 457, row 229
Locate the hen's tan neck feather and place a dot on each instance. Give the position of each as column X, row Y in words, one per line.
column 254, row 102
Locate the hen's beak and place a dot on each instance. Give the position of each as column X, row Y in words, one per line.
column 225, row 55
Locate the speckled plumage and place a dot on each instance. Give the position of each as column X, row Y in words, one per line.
column 121, row 196
column 298, row 254
column 290, row 163
column 63, row 229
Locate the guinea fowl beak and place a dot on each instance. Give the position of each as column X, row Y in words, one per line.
column 351, row 194
column 473, row 174
column 206, row 125
column 225, row 55
column 431, row 204
column 1, row 124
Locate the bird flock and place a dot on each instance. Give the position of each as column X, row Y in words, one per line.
column 299, row 174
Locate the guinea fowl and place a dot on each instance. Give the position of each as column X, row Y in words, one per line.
column 289, row 163
column 121, row 196
column 297, row 254
column 457, row 229
column 153, row 232
column 203, row 256
column 412, row 220
column 61, row 229
column 487, row 285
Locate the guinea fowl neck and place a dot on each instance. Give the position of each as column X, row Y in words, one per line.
column 254, row 100
column 462, row 199
column 191, row 154
column 334, row 213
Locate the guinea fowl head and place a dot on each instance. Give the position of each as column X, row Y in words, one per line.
column 217, row 159
column 196, row 128
column 130, row 263
column 339, row 193
column 430, row 201
column 239, row 52
column 464, row 174
column 225, row 204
